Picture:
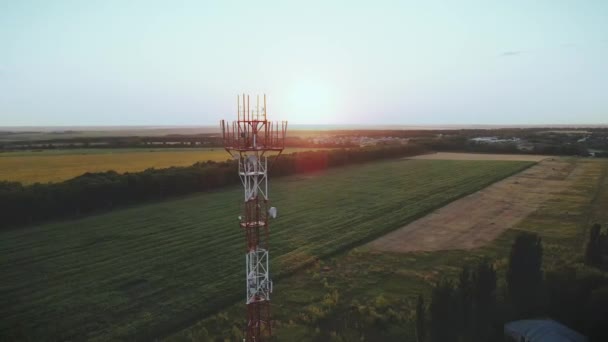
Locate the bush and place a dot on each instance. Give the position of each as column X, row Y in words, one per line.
column 596, row 252
column 525, row 275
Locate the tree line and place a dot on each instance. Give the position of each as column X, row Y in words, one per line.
column 165, row 141
column 93, row 192
column 475, row 309
column 462, row 143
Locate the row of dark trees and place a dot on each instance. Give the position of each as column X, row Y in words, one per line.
column 596, row 253
column 171, row 140
column 92, row 192
column 474, row 310
column 462, row 143
column 165, row 141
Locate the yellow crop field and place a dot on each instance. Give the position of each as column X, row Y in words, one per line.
column 58, row 165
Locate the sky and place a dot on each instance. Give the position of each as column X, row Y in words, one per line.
column 80, row 63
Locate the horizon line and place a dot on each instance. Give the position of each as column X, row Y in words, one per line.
column 300, row 126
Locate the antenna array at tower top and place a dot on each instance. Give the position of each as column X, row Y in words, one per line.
column 252, row 130
column 246, row 113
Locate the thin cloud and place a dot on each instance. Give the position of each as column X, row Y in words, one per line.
column 511, row 53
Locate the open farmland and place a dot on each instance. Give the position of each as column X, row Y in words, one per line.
column 149, row 270
column 322, row 302
column 58, row 165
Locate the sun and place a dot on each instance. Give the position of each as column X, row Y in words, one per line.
column 311, row 102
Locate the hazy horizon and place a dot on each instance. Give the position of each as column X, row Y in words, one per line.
column 293, row 127
column 388, row 63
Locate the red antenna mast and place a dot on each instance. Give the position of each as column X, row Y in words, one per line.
column 249, row 139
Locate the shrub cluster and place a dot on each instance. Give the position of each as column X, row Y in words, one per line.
column 465, row 311
column 473, row 310
column 596, row 253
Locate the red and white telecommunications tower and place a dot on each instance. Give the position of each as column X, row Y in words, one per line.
column 250, row 139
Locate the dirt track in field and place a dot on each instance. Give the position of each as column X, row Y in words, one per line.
column 479, row 218
column 480, row 156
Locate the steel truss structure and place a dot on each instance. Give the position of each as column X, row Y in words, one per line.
column 251, row 139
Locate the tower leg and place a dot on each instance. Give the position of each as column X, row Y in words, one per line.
column 258, row 321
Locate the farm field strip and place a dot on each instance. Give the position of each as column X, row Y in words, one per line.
column 59, row 165
column 141, row 271
column 490, row 211
column 480, row 156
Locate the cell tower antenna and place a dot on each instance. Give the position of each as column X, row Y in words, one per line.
column 250, row 139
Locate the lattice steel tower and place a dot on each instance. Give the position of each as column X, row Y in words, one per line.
column 250, row 139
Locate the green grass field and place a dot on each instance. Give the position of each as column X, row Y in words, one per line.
column 386, row 284
column 57, row 165
column 150, row 270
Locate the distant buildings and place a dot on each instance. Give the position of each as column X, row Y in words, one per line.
column 496, row 140
column 521, row 144
column 360, row 141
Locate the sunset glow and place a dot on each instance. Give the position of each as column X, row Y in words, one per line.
column 311, row 102
column 387, row 62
